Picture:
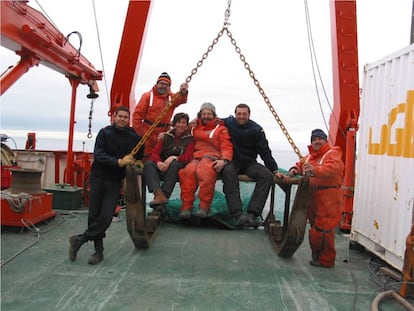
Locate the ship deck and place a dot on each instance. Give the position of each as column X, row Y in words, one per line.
column 186, row 268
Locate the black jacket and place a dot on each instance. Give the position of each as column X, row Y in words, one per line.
column 249, row 140
column 111, row 144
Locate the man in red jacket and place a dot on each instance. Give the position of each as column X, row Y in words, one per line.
column 212, row 151
column 326, row 169
column 151, row 105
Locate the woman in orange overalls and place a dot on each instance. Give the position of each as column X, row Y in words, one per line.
column 212, row 151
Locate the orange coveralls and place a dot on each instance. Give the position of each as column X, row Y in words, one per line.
column 148, row 109
column 212, row 142
column 325, row 201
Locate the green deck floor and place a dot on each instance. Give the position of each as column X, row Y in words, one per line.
column 186, row 268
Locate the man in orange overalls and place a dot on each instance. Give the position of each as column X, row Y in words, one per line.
column 151, row 105
column 212, row 151
column 326, row 169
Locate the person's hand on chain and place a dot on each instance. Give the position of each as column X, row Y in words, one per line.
column 308, row 169
column 128, row 159
column 184, row 89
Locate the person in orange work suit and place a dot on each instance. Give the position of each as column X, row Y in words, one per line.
column 151, row 105
column 212, row 151
column 326, row 169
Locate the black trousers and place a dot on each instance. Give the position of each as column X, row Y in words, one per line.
column 153, row 176
column 104, row 196
column 263, row 178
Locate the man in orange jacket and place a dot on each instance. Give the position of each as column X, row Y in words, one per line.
column 151, row 105
column 212, row 151
column 326, row 169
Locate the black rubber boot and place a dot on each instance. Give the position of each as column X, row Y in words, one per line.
column 75, row 243
column 98, row 256
column 251, row 220
column 240, row 220
column 95, row 258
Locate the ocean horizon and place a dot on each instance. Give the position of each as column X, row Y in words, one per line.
column 53, row 140
column 58, row 141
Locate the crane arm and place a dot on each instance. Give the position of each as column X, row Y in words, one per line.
column 343, row 123
column 127, row 65
column 32, row 36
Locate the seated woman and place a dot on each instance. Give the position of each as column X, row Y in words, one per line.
column 169, row 155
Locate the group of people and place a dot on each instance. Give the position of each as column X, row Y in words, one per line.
column 194, row 154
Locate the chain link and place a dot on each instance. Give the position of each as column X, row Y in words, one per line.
column 227, row 14
column 89, row 135
column 205, row 55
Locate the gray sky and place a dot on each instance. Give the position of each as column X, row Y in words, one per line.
column 272, row 36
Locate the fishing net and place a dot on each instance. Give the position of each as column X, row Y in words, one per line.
column 219, row 211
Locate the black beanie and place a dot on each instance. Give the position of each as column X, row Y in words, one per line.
column 318, row 133
column 164, row 77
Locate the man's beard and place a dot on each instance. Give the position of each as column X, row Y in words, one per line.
column 205, row 120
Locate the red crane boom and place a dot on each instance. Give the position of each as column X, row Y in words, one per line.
column 343, row 123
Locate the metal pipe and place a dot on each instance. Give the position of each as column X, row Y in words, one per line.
column 393, row 294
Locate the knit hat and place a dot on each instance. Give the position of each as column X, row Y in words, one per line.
column 318, row 133
column 208, row 106
column 164, row 77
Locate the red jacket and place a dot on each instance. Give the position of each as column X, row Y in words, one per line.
column 328, row 166
column 212, row 140
column 150, row 108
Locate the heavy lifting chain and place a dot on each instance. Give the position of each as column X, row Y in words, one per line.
column 246, row 65
column 89, row 135
column 168, row 106
column 152, row 127
column 262, row 92
column 251, row 74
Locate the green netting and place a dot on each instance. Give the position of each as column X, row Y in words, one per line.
column 219, row 210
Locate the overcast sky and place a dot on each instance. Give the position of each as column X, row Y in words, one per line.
column 272, row 36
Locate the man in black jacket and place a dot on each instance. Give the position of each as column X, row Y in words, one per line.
column 111, row 153
column 249, row 141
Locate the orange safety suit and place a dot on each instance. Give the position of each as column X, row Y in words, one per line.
column 325, row 201
column 148, row 109
column 212, row 142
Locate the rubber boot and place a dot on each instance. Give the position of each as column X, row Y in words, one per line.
column 98, row 256
column 159, row 198
column 75, row 243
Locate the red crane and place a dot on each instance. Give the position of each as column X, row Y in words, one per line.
column 37, row 41
column 343, row 123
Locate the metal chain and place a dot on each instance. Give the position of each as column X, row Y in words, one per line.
column 89, row 135
column 227, row 14
column 246, row 65
column 152, row 127
column 262, row 92
column 205, row 55
column 188, row 80
column 167, row 107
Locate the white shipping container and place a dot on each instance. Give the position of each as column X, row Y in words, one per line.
column 384, row 189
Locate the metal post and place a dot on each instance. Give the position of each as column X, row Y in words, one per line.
column 412, row 25
column 69, row 171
